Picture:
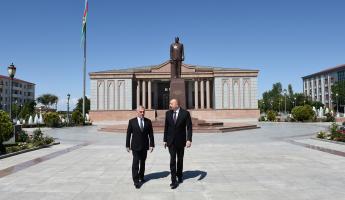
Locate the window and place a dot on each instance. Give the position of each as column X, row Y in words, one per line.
column 341, row 75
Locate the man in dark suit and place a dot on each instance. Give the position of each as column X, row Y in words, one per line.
column 177, row 135
column 139, row 139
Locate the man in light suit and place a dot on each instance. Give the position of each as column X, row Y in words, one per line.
column 177, row 135
column 139, row 139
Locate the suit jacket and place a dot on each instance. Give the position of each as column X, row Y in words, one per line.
column 137, row 140
column 177, row 54
column 180, row 132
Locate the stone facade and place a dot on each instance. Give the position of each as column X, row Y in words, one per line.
column 229, row 90
column 111, row 94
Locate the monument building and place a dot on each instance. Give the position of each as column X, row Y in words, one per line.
column 208, row 92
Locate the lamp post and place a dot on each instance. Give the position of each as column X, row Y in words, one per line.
column 271, row 104
column 11, row 72
column 68, row 96
column 20, row 109
column 16, row 103
column 295, row 102
column 285, row 99
column 337, row 102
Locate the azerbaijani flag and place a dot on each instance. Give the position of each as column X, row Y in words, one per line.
column 84, row 17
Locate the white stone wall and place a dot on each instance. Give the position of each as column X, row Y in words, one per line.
column 231, row 93
column 93, row 95
column 111, row 94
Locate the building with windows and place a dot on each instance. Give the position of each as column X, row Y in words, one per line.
column 22, row 92
column 211, row 92
column 318, row 86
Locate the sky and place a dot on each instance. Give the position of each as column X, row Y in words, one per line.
column 285, row 40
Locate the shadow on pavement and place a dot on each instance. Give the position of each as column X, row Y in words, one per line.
column 156, row 175
column 194, row 174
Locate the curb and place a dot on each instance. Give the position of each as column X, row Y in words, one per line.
column 27, row 150
column 330, row 141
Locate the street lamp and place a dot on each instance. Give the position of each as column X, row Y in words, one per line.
column 16, row 103
column 271, row 104
column 337, row 101
column 285, row 99
column 279, row 104
column 11, row 72
column 295, row 102
column 68, row 96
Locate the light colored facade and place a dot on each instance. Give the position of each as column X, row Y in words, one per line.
column 207, row 89
column 22, row 92
column 318, row 86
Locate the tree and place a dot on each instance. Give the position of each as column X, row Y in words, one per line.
column 6, row 129
column 290, row 90
column 79, row 105
column 274, row 99
column 48, row 100
column 27, row 110
column 77, row 117
column 338, row 88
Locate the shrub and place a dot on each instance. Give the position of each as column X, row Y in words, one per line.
column 23, row 136
column 48, row 140
column 302, row 113
column 52, row 119
column 6, row 127
column 262, row 119
column 39, row 139
column 271, row 115
column 330, row 117
column 37, row 134
column 77, row 117
column 333, row 129
column 322, row 135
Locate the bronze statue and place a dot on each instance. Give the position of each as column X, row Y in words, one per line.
column 176, row 58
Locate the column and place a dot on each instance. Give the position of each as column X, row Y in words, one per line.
column 155, row 94
column 190, row 94
column 138, row 93
column 143, row 103
column 149, row 94
column 196, row 94
column 202, row 91
column 208, row 104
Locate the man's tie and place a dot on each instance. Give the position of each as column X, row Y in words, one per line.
column 141, row 125
column 174, row 117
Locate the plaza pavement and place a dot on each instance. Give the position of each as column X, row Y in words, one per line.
column 266, row 163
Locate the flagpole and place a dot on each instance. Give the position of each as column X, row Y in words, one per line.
column 84, row 75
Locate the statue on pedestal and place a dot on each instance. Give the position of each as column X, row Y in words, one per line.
column 176, row 58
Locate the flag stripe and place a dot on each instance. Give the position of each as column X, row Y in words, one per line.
column 85, row 16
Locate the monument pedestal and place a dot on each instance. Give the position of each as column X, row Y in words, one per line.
column 178, row 91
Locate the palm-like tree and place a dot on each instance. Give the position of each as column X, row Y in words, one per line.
column 47, row 100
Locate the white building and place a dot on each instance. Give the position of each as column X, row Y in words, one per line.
column 318, row 86
column 22, row 92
